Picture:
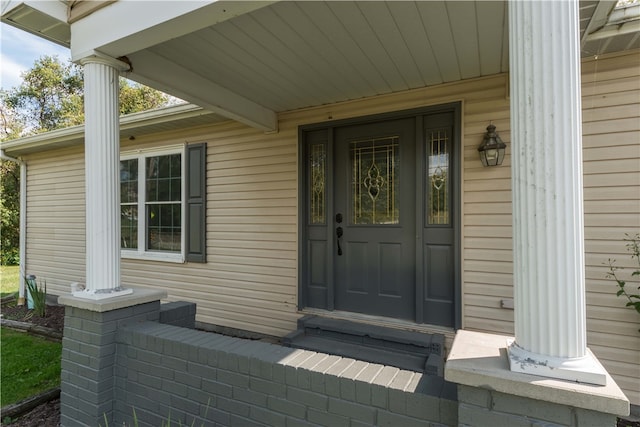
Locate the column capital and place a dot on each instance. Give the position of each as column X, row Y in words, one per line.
column 96, row 57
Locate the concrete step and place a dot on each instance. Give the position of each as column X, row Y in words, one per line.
column 409, row 350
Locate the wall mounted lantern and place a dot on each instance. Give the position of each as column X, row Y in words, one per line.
column 492, row 148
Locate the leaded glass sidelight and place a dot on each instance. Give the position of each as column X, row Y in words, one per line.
column 438, row 178
column 318, row 183
column 375, row 167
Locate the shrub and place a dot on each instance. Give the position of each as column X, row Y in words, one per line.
column 633, row 299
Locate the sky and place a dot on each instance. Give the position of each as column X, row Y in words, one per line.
column 19, row 50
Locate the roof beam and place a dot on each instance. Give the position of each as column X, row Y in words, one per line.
column 123, row 27
column 161, row 73
column 624, row 20
column 599, row 19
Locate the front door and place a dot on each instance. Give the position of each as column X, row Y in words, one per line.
column 380, row 216
column 374, row 204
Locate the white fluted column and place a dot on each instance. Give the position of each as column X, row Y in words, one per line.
column 102, row 174
column 548, row 236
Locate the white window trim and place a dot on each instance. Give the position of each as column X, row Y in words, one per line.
column 141, row 252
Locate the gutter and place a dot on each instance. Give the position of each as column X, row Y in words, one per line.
column 74, row 135
column 23, row 224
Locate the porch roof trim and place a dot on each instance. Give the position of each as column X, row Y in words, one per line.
column 146, row 122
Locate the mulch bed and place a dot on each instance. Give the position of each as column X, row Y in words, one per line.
column 53, row 319
column 46, row 414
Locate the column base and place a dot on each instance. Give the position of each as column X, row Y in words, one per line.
column 585, row 369
column 99, row 294
column 480, row 360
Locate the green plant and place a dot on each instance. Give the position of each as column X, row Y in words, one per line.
column 38, row 295
column 165, row 423
column 633, row 246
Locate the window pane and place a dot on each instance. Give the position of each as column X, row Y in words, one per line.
column 129, row 227
column 438, row 180
column 318, row 171
column 375, row 167
column 129, row 181
column 175, row 193
column 164, row 230
column 163, row 180
column 175, row 166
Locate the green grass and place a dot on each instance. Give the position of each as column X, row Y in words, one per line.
column 9, row 279
column 30, row 365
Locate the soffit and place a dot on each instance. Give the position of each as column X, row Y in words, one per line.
column 48, row 20
column 292, row 55
column 273, row 57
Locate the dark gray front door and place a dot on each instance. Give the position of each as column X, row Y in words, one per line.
column 380, row 219
column 374, row 218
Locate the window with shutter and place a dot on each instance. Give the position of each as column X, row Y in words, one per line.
column 162, row 205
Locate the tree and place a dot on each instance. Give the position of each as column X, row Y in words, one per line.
column 50, row 97
column 9, row 213
column 11, row 127
column 135, row 97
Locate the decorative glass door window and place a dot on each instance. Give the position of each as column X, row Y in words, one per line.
column 317, row 183
column 438, row 178
column 374, row 181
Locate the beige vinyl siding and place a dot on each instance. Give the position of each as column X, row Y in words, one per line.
column 250, row 278
column 56, row 218
column 611, row 155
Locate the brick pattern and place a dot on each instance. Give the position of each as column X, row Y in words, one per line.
column 164, row 372
column 486, row 407
column 89, row 353
column 145, row 365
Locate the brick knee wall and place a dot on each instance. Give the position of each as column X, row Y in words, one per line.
column 479, row 407
column 89, row 360
column 167, row 373
column 178, row 313
column 123, row 366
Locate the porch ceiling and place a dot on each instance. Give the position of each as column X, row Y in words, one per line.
column 291, row 55
column 261, row 58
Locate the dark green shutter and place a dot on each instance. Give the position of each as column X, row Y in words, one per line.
column 196, row 165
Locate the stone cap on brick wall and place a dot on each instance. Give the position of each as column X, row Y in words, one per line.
column 480, row 360
column 139, row 296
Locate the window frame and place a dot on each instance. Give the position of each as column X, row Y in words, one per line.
column 141, row 252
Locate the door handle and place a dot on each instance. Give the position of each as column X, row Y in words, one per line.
column 339, row 233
